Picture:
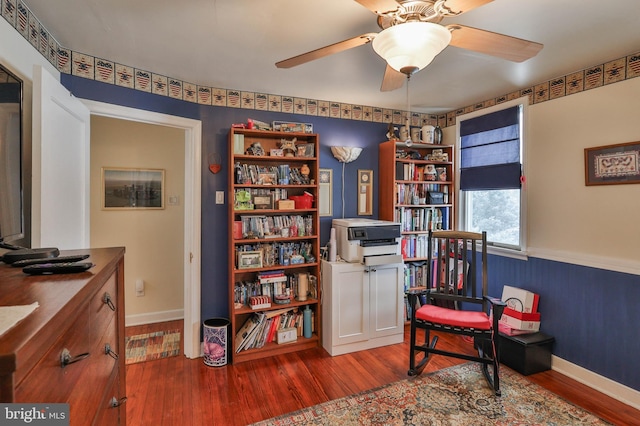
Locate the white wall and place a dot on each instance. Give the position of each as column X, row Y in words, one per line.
column 565, row 216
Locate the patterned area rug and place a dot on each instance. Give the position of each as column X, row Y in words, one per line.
column 456, row 396
column 149, row 346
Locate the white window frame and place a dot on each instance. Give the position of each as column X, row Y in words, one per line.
column 497, row 248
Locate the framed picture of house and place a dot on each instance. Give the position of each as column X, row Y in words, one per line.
column 128, row 188
column 612, row 164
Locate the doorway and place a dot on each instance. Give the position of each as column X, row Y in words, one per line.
column 191, row 227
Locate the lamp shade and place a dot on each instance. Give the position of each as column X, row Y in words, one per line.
column 346, row 154
column 411, row 46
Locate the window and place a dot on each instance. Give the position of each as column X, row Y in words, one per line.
column 491, row 166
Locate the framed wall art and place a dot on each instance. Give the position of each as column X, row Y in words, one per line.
column 612, row 164
column 325, row 189
column 126, row 188
column 365, row 192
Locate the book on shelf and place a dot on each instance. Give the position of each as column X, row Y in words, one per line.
column 248, row 330
column 272, row 277
column 259, row 302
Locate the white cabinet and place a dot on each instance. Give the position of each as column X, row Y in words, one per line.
column 362, row 306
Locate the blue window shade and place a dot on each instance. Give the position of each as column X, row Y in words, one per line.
column 490, row 151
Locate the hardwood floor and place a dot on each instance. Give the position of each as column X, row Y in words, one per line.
column 180, row 391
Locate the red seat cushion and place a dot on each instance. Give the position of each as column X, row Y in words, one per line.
column 465, row 319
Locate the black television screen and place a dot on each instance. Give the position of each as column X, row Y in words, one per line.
column 11, row 210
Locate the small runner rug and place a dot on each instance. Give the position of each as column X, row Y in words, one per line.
column 456, row 396
column 149, row 346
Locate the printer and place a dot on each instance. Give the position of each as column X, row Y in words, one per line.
column 368, row 241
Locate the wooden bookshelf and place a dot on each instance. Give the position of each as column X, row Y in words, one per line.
column 260, row 226
column 406, row 186
column 403, row 170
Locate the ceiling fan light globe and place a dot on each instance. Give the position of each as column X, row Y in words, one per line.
column 411, row 45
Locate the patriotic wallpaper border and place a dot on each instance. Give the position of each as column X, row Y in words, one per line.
column 100, row 69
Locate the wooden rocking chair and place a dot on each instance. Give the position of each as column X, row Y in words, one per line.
column 455, row 302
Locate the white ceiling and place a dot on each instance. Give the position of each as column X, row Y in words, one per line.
column 234, row 44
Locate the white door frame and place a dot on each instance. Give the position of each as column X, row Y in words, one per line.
column 192, row 210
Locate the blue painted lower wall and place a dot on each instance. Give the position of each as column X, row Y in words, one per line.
column 592, row 313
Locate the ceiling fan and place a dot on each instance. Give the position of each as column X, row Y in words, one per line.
column 412, row 36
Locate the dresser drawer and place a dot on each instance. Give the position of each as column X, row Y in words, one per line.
column 49, row 380
column 96, row 379
column 104, row 305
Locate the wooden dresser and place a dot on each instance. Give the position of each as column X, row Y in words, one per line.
column 71, row 348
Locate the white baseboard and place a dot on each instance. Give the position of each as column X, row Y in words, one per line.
column 153, row 317
column 600, row 383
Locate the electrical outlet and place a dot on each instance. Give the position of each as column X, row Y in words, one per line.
column 219, row 197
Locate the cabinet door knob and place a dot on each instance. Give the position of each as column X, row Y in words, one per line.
column 66, row 358
column 106, row 299
column 114, row 402
column 108, row 351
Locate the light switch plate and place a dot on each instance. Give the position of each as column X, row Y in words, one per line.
column 219, row 197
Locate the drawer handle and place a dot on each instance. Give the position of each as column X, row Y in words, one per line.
column 66, row 358
column 106, row 299
column 108, row 351
column 114, row 403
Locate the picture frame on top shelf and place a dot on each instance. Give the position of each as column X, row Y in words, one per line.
column 612, row 164
column 131, row 188
column 249, row 259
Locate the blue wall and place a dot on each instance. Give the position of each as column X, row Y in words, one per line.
column 592, row 313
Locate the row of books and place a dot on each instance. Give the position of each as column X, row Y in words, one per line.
column 421, row 172
column 422, row 219
column 415, row 275
column 280, row 284
column 277, row 253
column 253, row 174
column 262, row 327
column 417, row 193
column 254, row 226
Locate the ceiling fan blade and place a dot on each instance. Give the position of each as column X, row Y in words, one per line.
column 327, row 50
column 392, row 80
column 379, row 6
column 494, row 44
column 456, row 7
